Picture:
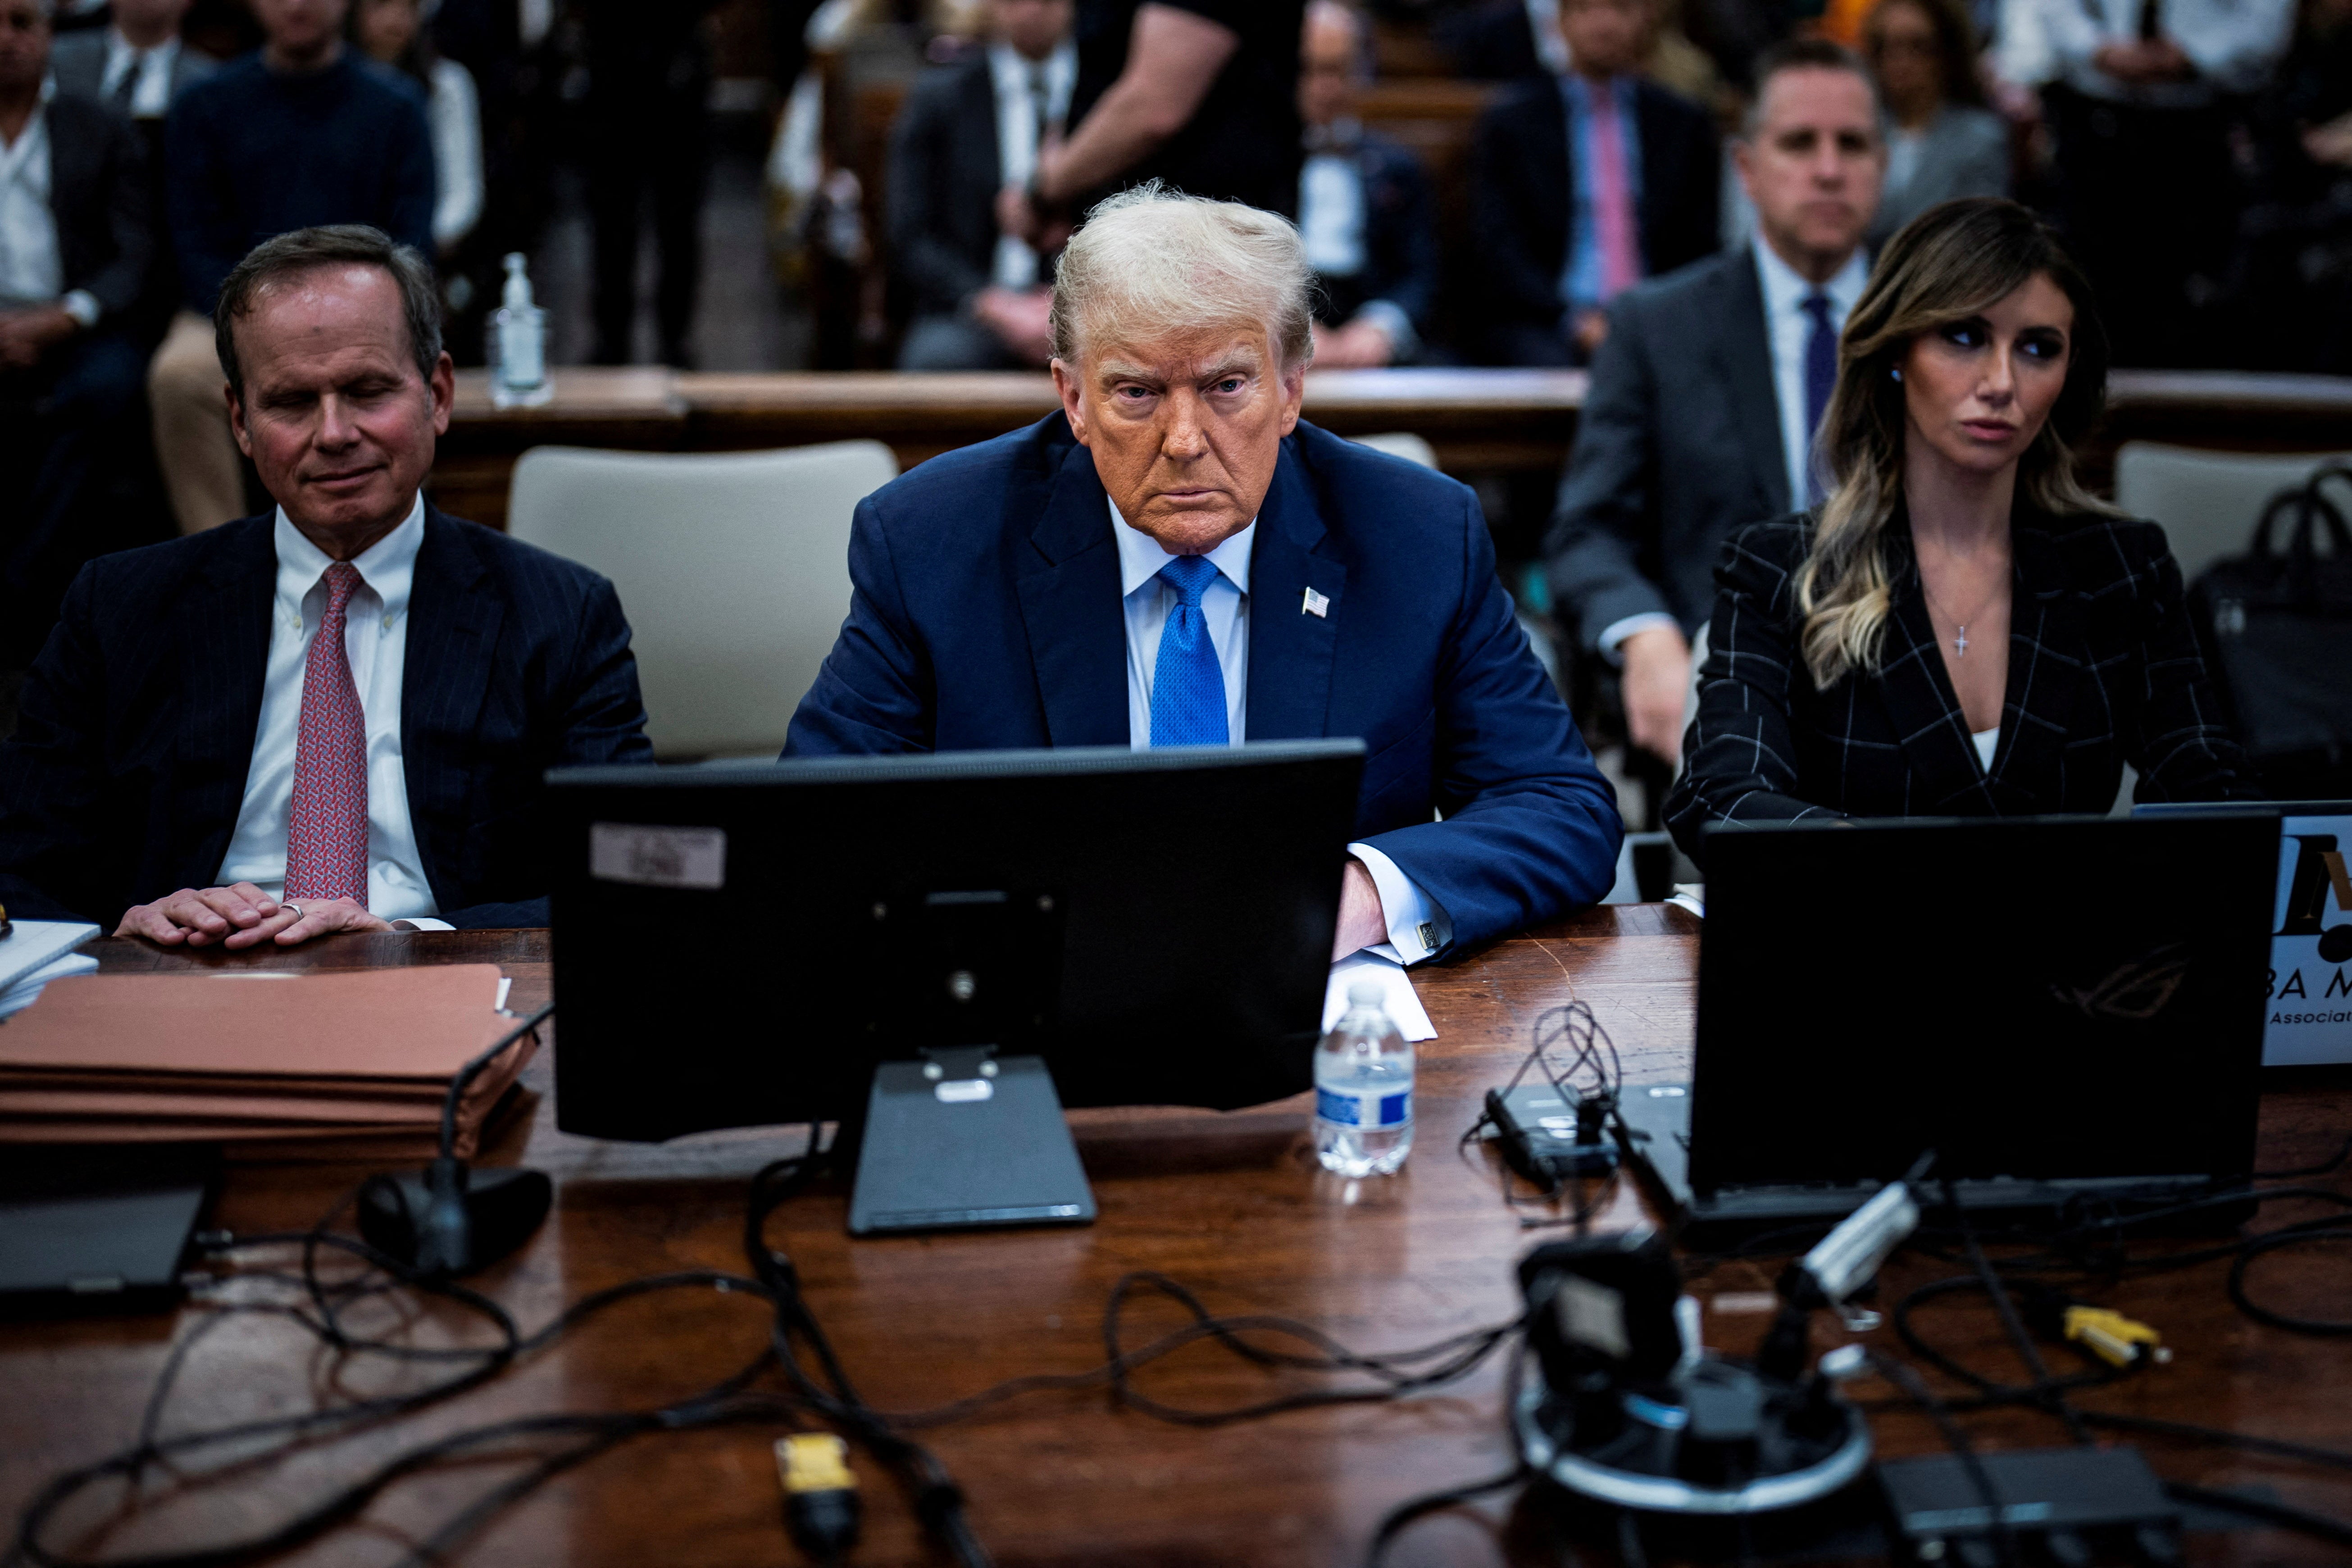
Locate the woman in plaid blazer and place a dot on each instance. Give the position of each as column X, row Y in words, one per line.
column 1961, row 629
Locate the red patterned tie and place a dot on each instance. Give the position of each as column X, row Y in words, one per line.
column 327, row 832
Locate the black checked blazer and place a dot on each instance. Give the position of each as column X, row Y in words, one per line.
column 125, row 775
column 2103, row 669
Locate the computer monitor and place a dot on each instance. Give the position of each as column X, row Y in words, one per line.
column 2046, row 1000
column 741, row 944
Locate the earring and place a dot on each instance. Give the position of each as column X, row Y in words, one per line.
column 1897, row 373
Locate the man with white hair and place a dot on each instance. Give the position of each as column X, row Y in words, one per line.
column 1175, row 558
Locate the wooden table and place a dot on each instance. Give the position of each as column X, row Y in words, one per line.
column 1231, row 1204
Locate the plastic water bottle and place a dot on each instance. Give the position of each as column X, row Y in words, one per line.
column 517, row 344
column 1363, row 1089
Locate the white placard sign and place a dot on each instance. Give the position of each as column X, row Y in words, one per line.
column 2310, row 1018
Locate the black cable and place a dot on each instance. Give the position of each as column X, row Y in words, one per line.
column 1955, row 1439
column 466, row 1076
column 1394, row 1523
column 2317, row 1525
column 2050, row 1399
column 2342, row 1153
column 2276, row 1241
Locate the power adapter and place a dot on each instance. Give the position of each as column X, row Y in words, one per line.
column 2065, row 1506
column 1549, row 1138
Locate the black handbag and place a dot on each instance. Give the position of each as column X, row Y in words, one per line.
column 2276, row 625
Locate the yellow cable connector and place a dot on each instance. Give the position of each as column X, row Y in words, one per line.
column 2115, row 1339
column 820, row 1493
column 813, row 1462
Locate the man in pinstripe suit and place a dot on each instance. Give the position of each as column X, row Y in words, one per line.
column 330, row 718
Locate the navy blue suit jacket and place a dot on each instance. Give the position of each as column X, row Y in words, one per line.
column 986, row 614
column 124, row 778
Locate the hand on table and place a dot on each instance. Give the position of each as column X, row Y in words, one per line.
column 26, row 336
column 241, row 916
column 1591, row 330
column 1019, row 318
column 1657, row 690
column 1362, row 922
column 2143, row 61
column 1358, row 346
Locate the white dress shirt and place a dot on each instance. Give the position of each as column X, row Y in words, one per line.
column 454, row 114
column 376, row 640
column 1331, row 210
column 2233, row 44
column 1417, row 927
column 1015, row 76
column 152, row 97
column 1790, row 328
column 32, row 270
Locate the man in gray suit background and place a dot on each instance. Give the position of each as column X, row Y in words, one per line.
column 1707, row 389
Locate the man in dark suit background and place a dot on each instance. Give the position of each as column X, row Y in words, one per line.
column 969, row 131
column 304, row 131
column 1364, row 208
column 137, row 64
column 1175, row 559
column 74, row 253
column 1584, row 184
column 335, row 717
column 1709, row 386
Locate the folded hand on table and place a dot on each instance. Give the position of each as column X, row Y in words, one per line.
column 241, row 916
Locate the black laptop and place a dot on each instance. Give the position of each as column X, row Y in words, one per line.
column 2061, row 1008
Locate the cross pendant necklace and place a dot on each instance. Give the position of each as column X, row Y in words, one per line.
column 1961, row 627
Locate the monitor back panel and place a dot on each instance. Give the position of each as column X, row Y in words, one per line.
column 1165, row 923
column 2043, row 999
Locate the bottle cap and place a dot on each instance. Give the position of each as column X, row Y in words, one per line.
column 1367, row 993
column 516, row 295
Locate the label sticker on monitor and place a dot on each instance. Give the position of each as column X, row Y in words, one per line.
column 652, row 857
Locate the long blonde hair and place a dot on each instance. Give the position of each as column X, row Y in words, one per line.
column 1951, row 262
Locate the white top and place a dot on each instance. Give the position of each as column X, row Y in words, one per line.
column 1986, row 741
column 1016, row 78
column 1789, row 327
column 2233, row 44
column 454, row 115
column 376, row 640
column 1417, row 927
column 31, row 267
column 153, row 95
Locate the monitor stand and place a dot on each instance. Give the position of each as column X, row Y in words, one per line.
column 964, row 1139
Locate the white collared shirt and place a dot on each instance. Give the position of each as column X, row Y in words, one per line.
column 2232, row 44
column 376, row 640
column 1014, row 76
column 1417, row 927
column 153, row 95
column 32, row 269
column 1789, row 327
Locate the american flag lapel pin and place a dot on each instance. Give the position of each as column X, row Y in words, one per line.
column 1315, row 604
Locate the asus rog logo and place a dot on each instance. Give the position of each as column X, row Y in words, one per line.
column 2134, row 991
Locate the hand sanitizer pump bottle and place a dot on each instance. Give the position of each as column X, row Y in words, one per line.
column 519, row 343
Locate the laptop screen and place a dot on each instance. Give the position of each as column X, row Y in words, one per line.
column 2036, row 998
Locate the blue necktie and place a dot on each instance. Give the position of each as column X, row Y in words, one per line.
column 1820, row 380
column 1188, row 690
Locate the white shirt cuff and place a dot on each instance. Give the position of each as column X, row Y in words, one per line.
column 1417, row 927
column 422, row 923
column 82, row 306
column 1613, row 635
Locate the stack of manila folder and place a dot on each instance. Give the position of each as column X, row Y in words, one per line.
column 273, row 1067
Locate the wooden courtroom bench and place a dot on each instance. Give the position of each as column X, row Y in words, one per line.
column 1231, row 1206
column 1480, row 421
